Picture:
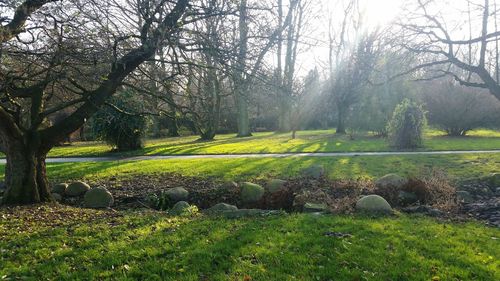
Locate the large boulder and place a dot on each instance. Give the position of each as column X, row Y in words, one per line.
column 391, row 181
column 221, row 207
column 177, row 194
column 77, row 188
column 60, row 188
column 98, row 197
column 275, row 185
column 373, row 204
column 314, row 171
column 251, row 192
column 180, row 208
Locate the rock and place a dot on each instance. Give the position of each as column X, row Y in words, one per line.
column 464, row 197
column 98, row 197
column 423, row 209
column 373, row 204
column 497, row 191
column 494, row 179
column 244, row 213
column 314, row 171
column 221, row 207
column 251, row 192
column 407, row 198
column 177, row 194
column 77, row 188
column 391, row 181
column 275, row 185
column 488, row 210
column 60, row 188
column 230, row 185
column 179, row 208
column 315, row 208
column 57, row 197
column 1, row 198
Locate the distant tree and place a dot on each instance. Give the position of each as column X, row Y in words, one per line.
column 378, row 100
column 253, row 39
column 350, row 77
column 457, row 109
column 406, row 127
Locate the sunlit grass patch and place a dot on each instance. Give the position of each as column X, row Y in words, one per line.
column 152, row 246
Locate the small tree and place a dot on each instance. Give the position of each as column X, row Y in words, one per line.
column 406, row 126
column 118, row 127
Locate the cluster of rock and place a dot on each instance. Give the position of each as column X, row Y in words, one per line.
column 483, row 199
column 250, row 193
column 97, row 197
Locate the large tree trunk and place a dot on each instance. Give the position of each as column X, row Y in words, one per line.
column 25, row 175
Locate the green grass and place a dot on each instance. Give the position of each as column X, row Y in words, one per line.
column 152, row 246
column 457, row 166
column 306, row 141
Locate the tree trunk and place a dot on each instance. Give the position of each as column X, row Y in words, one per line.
column 25, row 175
column 284, row 121
column 209, row 135
column 243, row 121
column 341, row 122
column 173, row 127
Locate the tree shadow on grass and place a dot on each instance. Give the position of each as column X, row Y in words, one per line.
column 275, row 248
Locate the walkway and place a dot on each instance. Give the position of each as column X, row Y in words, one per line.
column 256, row 155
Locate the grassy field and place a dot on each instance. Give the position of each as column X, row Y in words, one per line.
column 76, row 244
column 457, row 166
column 306, row 141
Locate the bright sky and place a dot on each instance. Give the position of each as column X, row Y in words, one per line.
column 380, row 12
column 376, row 13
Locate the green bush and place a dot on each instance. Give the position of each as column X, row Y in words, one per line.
column 407, row 125
column 118, row 126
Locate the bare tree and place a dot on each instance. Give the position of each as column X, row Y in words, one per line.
column 74, row 56
column 443, row 48
column 250, row 54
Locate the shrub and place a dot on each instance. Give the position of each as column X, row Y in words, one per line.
column 159, row 201
column 457, row 110
column 406, row 126
column 118, row 127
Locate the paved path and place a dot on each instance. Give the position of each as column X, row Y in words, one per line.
column 256, row 155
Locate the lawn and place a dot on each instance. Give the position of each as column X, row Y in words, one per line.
column 75, row 244
column 306, row 141
column 457, row 166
